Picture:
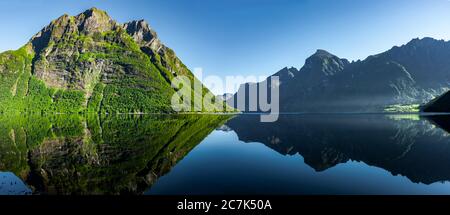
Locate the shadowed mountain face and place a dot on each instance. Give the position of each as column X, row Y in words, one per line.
column 438, row 104
column 413, row 73
column 401, row 144
column 71, row 154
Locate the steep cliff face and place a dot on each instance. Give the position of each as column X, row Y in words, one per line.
column 63, row 47
column 89, row 62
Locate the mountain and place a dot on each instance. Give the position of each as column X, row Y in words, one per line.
column 410, row 74
column 439, row 104
column 92, row 63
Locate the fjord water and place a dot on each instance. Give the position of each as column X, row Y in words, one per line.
column 317, row 154
column 224, row 154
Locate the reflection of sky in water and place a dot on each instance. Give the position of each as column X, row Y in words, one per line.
column 223, row 164
column 10, row 184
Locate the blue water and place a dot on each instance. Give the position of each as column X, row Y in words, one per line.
column 223, row 164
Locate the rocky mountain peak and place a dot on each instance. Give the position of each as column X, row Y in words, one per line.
column 325, row 62
column 87, row 23
column 286, row 73
column 322, row 53
column 140, row 31
column 144, row 35
column 93, row 11
column 94, row 20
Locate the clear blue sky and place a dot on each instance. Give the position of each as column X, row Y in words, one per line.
column 250, row 37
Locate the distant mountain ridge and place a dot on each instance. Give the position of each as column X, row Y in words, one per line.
column 413, row 73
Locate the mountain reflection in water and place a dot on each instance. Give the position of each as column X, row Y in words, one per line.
column 409, row 145
column 73, row 154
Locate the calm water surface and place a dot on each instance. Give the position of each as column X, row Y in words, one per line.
column 219, row 154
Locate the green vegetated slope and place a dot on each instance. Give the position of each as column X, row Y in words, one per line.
column 91, row 63
column 88, row 154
